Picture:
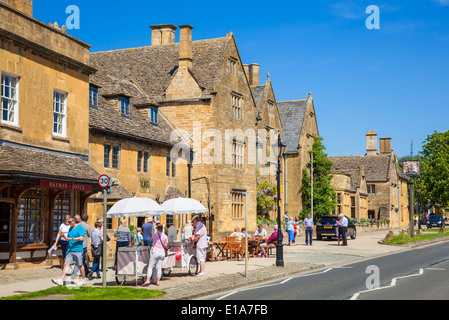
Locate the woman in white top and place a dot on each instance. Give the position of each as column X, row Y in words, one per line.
column 237, row 233
column 63, row 231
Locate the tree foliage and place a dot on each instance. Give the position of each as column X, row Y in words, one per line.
column 324, row 196
column 434, row 180
column 265, row 197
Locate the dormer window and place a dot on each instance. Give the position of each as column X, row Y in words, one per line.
column 93, row 96
column 154, row 115
column 124, row 106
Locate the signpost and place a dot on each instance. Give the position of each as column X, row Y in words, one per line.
column 105, row 182
column 412, row 170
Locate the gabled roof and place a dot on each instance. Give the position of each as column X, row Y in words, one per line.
column 152, row 68
column 292, row 117
column 377, row 167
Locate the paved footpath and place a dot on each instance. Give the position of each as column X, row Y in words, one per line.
column 224, row 275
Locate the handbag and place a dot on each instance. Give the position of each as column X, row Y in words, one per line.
column 97, row 251
column 165, row 249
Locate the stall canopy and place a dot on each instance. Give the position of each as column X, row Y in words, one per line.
column 135, row 207
column 183, row 206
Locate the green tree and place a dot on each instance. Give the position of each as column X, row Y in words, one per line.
column 324, row 196
column 434, row 180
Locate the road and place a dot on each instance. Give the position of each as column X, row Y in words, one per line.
column 420, row 273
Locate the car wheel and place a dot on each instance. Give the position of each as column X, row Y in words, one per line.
column 354, row 235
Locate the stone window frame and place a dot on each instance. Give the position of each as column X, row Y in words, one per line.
column 238, row 154
column 59, row 113
column 143, row 161
column 233, row 66
column 237, row 204
column 236, row 101
column 13, row 101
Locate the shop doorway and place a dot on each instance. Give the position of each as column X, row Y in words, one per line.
column 5, row 223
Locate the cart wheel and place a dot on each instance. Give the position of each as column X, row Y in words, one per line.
column 120, row 279
column 166, row 272
column 144, row 275
column 193, row 266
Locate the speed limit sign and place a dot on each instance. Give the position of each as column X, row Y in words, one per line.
column 104, row 181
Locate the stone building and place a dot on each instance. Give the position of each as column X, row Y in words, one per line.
column 299, row 125
column 268, row 127
column 44, row 132
column 201, row 88
column 349, row 183
column 386, row 186
column 130, row 141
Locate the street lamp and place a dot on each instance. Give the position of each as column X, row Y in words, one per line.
column 279, row 247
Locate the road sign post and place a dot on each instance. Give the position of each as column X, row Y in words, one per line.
column 104, row 182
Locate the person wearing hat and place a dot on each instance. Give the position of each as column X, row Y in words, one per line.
column 147, row 230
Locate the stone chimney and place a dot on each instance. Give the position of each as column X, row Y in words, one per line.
column 25, row 6
column 385, row 145
column 163, row 34
column 254, row 74
column 185, row 50
column 371, row 143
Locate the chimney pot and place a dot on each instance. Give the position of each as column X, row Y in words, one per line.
column 185, row 51
column 371, row 143
column 254, row 74
column 162, row 34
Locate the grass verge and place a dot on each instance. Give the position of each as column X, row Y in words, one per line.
column 90, row 293
column 402, row 239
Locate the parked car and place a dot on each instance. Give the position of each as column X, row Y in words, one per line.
column 434, row 221
column 327, row 227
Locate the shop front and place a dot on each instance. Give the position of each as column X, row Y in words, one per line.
column 33, row 204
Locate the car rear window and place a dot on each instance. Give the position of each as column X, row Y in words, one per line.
column 328, row 220
column 434, row 218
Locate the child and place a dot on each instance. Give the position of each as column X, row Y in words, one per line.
column 139, row 237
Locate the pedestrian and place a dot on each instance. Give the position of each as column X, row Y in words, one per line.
column 261, row 231
column 139, row 237
column 286, row 219
column 123, row 235
column 61, row 237
column 147, row 230
column 308, row 227
column 291, row 231
column 270, row 243
column 237, row 233
column 344, row 228
column 200, row 243
column 160, row 241
column 97, row 242
column 188, row 231
column 296, row 227
column 75, row 238
column 338, row 231
column 82, row 221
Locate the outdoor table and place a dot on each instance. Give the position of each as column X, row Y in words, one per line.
column 220, row 245
column 216, row 245
column 255, row 244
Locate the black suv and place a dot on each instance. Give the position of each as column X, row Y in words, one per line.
column 327, row 227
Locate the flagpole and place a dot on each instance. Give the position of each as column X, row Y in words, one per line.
column 311, row 178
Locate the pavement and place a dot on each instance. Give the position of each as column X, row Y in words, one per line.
column 222, row 276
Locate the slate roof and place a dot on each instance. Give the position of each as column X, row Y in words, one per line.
column 152, row 68
column 377, row 167
column 292, row 117
column 42, row 164
column 143, row 74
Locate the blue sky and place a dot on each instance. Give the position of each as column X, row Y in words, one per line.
column 394, row 80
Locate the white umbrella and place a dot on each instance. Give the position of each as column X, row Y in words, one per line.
column 183, row 206
column 135, row 207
